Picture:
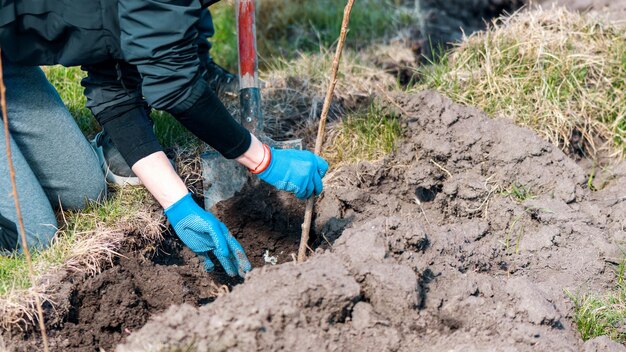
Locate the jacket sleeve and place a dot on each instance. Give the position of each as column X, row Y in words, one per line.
column 158, row 36
column 114, row 97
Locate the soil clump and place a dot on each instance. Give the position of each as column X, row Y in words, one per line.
column 431, row 250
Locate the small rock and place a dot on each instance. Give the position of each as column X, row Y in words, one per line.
column 391, row 289
column 532, row 302
column 363, row 316
column 539, row 240
column 363, row 243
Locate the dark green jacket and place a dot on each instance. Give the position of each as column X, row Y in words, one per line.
column 156, row 36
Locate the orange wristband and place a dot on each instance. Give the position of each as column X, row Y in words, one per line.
column 267, row 158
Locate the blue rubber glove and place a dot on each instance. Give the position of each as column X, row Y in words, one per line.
column 297, row 171
column 202, row 232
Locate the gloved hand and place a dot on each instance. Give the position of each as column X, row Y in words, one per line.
column 297, row 171
column 202, row 232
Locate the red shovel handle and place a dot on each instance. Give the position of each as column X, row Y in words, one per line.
column 246, row 35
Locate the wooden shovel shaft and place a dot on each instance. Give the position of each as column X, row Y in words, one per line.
column 319, row 142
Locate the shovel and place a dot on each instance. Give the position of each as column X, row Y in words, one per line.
column 223, row 178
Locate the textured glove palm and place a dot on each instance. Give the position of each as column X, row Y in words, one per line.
column 202, row 232
column 297, row 171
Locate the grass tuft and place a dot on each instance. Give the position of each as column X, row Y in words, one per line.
column 518, row 192
column 368, row 135
column 295, row 89
column 560, row 73
column 598, row 315
column 67, row 83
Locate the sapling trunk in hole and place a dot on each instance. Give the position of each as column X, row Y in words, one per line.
column 308, row 213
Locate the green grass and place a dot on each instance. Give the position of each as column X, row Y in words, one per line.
column 515, row 232
column 518, row 192
column 602, row 314
column 517, row 229
column 67, row 83
column 224, row 42
column 13, row 274
column 367, row 135
column 286, row 27
column 556, row 72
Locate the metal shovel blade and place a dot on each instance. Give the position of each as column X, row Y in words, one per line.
column 223, row 178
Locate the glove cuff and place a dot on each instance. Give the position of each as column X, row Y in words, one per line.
column 179, row 210
column 265, row 163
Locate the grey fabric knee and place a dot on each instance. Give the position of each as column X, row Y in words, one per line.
column 55, row 165
column 39, row 220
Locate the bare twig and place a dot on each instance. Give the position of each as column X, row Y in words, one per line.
column 441, row 168
column 392, row 101
column 308, row 214
column 31, row 273
column 419, row 204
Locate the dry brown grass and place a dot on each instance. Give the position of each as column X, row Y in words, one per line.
column 295, row 89
column 189, row 167
column 560, row 73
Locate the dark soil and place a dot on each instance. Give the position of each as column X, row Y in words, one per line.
column 94, row 313
column 97, row 313
column 263, row 220
column 432, row 253
column 445, row 22
column 441, row 25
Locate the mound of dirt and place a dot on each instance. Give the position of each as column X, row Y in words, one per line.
column 95, row 313
column 433, row 251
